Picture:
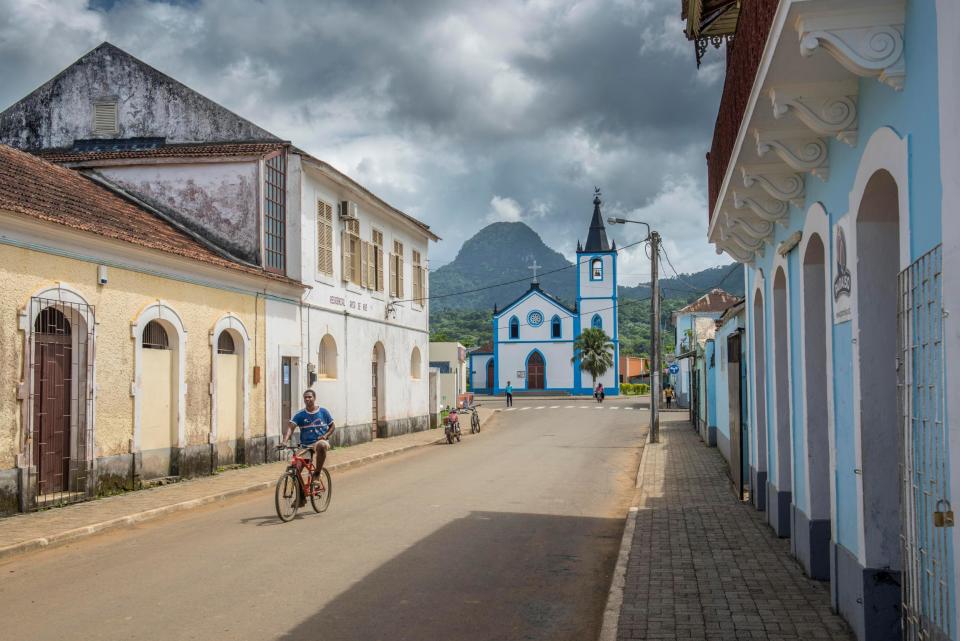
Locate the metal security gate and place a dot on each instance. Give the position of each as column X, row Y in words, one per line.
column 925, row 498
column 60, row 439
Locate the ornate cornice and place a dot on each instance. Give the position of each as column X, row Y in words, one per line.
column 866, row 39
column 777, row 180
column 828, row 108
column 801, row 151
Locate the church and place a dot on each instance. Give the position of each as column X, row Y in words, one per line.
column 533, row 336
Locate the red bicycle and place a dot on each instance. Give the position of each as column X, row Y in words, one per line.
column 293, row 491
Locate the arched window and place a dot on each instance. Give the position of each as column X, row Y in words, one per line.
column 155, row 336
column 328, row 358
column 514, row 327
column 555, row 327
column 415, row 364
column 596, row 269
column 596, row 322
column 51, row 321
column 225, row 344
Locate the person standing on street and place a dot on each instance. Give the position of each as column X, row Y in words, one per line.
column 509, row 391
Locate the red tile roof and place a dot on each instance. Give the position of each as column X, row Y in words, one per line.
column 179, row 150
column 44, row 191
column 716, row 300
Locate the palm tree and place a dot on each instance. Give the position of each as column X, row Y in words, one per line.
column 595, row 350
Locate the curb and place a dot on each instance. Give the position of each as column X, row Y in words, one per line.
column 67, row 536
column 611, row 613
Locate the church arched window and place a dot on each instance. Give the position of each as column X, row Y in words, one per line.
column 514, row 327
column 596, row 269
column 555, row 327
column 596, row 322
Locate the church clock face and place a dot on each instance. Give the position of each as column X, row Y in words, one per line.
column 535, row 318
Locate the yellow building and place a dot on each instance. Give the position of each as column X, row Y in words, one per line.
column 130, row 348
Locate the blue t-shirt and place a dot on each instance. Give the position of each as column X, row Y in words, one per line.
column 312, row 426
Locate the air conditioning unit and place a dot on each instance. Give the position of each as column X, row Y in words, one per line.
column 348, row 209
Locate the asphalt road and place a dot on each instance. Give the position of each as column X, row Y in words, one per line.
column 510, row 535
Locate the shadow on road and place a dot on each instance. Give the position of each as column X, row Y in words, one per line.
column 490, row 575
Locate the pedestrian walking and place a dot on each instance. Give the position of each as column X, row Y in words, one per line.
column 509, row 391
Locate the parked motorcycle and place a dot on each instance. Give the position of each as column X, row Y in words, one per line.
column 452, row 426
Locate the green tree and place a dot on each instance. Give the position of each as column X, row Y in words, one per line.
column 595, row 350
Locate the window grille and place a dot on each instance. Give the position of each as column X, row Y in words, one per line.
column 155, row 336
column 225, row 344
column 324, row 238
column 274, row 212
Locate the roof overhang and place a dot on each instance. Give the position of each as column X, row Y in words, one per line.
column 805, row 93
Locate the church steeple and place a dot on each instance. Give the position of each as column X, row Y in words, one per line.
column 597, row 236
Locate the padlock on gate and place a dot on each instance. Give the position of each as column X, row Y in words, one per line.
column 941, row 517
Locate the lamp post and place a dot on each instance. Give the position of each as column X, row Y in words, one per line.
column 654, row 239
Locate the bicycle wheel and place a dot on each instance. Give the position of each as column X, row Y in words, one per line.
column 475, row 424
column 287, row 497
column 320, row 498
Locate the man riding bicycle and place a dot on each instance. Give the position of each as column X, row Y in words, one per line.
column 316, row 427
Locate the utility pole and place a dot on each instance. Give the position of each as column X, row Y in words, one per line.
column 655, row 338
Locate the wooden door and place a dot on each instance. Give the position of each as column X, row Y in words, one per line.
column 53, row 386
column 490, row 375
column 375, row 397
column 535, row 375
column 733, row 404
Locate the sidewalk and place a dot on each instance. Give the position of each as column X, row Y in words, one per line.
column 703, row 565
column 57, row 526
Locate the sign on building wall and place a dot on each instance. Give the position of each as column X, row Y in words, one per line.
column 842, row 282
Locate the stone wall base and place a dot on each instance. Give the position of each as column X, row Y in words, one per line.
column 810, row 544
column 868, row 598
column 778, row 510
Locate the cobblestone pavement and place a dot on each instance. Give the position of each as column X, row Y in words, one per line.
column 23, row 532
column 705, row 566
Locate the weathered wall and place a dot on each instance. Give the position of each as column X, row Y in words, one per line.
column 217, row 200
column 24, row 272
column 150, row 104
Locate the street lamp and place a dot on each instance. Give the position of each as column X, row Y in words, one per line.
column 654, row 239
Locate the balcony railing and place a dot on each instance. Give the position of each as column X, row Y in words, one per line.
column 743, row 60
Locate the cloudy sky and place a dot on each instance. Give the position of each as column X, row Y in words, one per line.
column 460, row 113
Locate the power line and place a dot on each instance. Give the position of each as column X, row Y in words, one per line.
column 509, row 282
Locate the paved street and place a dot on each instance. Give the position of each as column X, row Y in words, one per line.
column 509, row 535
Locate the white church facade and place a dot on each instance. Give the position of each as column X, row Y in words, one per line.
column 533, row 336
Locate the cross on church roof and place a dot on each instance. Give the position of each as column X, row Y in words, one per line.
column 534, row 266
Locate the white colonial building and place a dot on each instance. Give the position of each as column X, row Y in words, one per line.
column 359, row 334
column 533, row 335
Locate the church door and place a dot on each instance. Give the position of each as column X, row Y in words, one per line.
column 490, row 374
column 535, row 371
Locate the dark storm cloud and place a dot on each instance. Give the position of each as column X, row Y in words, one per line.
column 459, row 112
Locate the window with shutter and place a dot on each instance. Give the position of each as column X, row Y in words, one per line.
column 378, row 256
column 396, row 284
column 324, row 238
column 105, row 117
column 352, row 253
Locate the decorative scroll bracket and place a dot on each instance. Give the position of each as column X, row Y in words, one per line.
column 778, row 181
column 828, row 109
column 867, row 38
column 799, row 150
column 768, row 209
